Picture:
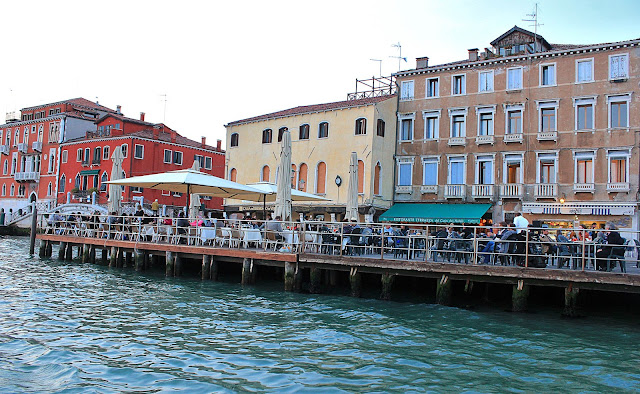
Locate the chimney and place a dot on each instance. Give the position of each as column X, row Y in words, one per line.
column 422, row 62
column 119, row 109
column 156, row 132
column 219, row 145
column 142, row 116
column 174, row 136
column 204, row 141
column 473, row 54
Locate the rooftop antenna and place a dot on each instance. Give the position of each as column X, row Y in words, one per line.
column 399, row 57
column 164, row 112
column 534, row 18
column 380, row 63
column 97, row 100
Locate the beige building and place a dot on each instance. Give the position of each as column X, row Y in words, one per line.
column 322, row 138
column 550, row 130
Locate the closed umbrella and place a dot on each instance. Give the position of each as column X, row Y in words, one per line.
column 115, row 191
column 270, row 191
column 352, row 192
column 195, row 198
column 283, row 195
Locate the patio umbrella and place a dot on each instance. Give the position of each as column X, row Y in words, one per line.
column 352, row 192
column 195, row 198
column 115, row 191
column 283, row 195
column 270, row 191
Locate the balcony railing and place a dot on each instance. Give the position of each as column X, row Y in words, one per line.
column 457, row 141
column 485, row 139
column 403, row 189
column 482, row 191
column 429, row 189
column 454, row 191
column 548, row 136
column 584, row 187
column 618, row 187
column 85, row 162
column 96, row 161
column 4, row 149
column 22, row 147
column 546, row 190
column 26, row 176
column 511, row 190
column 515, row 137
column 37, row 146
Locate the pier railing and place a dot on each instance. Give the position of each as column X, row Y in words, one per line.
column 536, row 248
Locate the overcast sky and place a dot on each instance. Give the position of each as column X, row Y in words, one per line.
column 220, row 62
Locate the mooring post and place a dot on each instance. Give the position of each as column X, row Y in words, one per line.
column 86, row 253
column 571, row 301
column 62, row 251
column 146, row 260
column 49, row 249
column 34, row 223
column 169, row 264
column 289, row 276
column 206, row 263
column 355, row 279
column 519, row 297
column 315, row 277
column 443, row 291
column 213, row 269
column 468, row 286
column 177, row 265
column 113, row 257
column 120, row 258
column 69, row 253
column 387, row 285
column 139, row 260
column 247, row 272
column 297, row 278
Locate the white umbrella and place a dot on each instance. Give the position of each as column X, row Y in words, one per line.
column 195, row 198
column 283, row 196
column 115, row 191
column 270, row 191
column 352, row 192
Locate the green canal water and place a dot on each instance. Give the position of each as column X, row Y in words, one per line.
column 70, row 327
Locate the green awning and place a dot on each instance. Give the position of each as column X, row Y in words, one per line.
column 89, row 172
column 435, row 213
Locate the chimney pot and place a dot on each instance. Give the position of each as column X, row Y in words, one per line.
column 473, row 54
column 174, row 136
column 142, row 116
column 219, row 145
column 119, row 109
column 422, row 62
column 204, row 141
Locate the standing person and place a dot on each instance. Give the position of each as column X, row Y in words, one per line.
column 155, row 206
column 520, row 222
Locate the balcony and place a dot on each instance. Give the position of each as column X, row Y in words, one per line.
column 454, row 191
column 96, row 162
column 85, row 162
column 546, row 190
column 403, row 189
column 4, row 149
column 618, row 187
column 485, row 139
column 457, row 141
column 26, row 176
column 37, row 146
column 482, row 191
column 584, row 187
column 548, row 136
column 429, row 189
column 22, row 147
column 511, row 190
column 515, row 137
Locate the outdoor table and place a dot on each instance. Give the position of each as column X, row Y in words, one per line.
column 290, row 237
column 251, row 235
column 413, row 243
column 207, row 234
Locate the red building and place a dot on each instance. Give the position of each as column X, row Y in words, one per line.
column 147, row 147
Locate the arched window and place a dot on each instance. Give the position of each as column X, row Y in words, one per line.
column 234, row 139
column 97, row 155
column 233, row 174
column 376, row 179
column 302, row 178
column 4, row 190
column 323, row 130
column 267, row 136
column 294, row 175
column 49, row 189
column 77, row 183
column 103, row 179
column 304, row 132
column 13, row 190
column 281, row 133
column 360, row 176
column 5, row 167
column 266, row 171
column 63, row 183
column 361, row 126
column 321, row 177
column 96, row 181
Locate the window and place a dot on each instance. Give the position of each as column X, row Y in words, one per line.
column 406, row 90
column 547, row 119
column 361, row 126
column 105, row 153
column 512, row 168
column 13, row 190
column 546, row 167
column 4, row 190
column 52, row 160
column 177, row 158
column 618, row 166
column 14, row 163
column 431, row 124
column 167, row 156
column 264, row 177
column 208, row 163
column 165, row 192
column 323, row 130
column 457, row 126
column 380, row 128
column 430, row 171
column 456, row 170
column 135, row 189
column 584, row 112
column 405, row 173
column 433, row 87
column 360, row 177
column 234, row 139
column 76, row 184
column 5, row 167
column 304, row 132
column 86, row 156
column 583, row 167
column 547, row 74
column 138, row 151
column 97, row 155
column 199, row 159
column 377, row 172
column 124, row 150
column 65, row 156
column 294, row 175
column 281, row 133
column 513, row 118
column 63, row 184
column 485, row 120
column 103, row 179
column 79, row 155
column 485, row 81
column 233, row 175
column 458, row 84
column 584, row 70
column 619, row 111
column 406, row 127
column 267, row 136
column 618, row 67
column 514, row 78
column 484, row 170
column 302, row 177
column 321, row 176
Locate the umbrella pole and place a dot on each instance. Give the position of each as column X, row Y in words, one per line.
column 264, row 207
column 188, row 202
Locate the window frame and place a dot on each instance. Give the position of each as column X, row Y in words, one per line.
column 267, row 136
column 492, row 88
column 540, row 74
column 580, row 155
column 546, row 156
column 484, row 158
column 304, row 128
column 508, row 109
column 209, row 160
column 427, row 90
column 614, row 99
column 432, row 114
column 164, row 156
column 176, row 154
column 64, row 156
column 404, row 92
column 512, row 157
column 430, row 160
column 234, row 140
column 106, row 151
column 456, row 112
column 463, row 84
column 400, row 162
column 125, row 150
column 457, row 159
column 320, row 130
column 626, row 76
column 618, row 154
column 521, row 78
column 360, row 126
column 380, row 127
column 584, row 60
column 547, row 104
column 483, row 111
column 583, row 101
column 409, row 117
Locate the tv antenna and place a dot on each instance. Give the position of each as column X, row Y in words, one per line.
column 534, row 18
column 380, row 63
column 164, row 111
column 399, row 57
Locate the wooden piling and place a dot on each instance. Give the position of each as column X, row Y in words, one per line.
column 177, row 265
column 34, row 225
column 206, row 264
column 92, row 254
column 571, row 301
column 213, row 269
column 42, row 252
column 113, row 257
column 69, row 252
column 315, row 276
column 86, row 250
column 153, row 261
column 128, row 259
column 138, row 260
column 120, row 258
column 289, row 276
column 169, row 264
column 49, row 249
column 355, row 279
column 443, row 291
column 387, row 284
column 519, row 297
column 62, row 250
column 248, row 277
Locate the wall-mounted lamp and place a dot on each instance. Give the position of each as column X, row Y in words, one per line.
column 562, row 199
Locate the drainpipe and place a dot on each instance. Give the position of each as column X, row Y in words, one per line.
column 394, row 164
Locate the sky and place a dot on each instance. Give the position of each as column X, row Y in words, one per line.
column 198, row 65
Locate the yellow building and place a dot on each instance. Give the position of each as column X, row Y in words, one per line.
column 322, row 138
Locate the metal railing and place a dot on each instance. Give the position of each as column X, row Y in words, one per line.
column 24, row 176
column 36, row 146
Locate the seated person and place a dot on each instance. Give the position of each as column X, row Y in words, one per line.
column 604, row 251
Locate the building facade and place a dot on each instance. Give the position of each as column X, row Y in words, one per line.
column 323, row 137
column 550, row 130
